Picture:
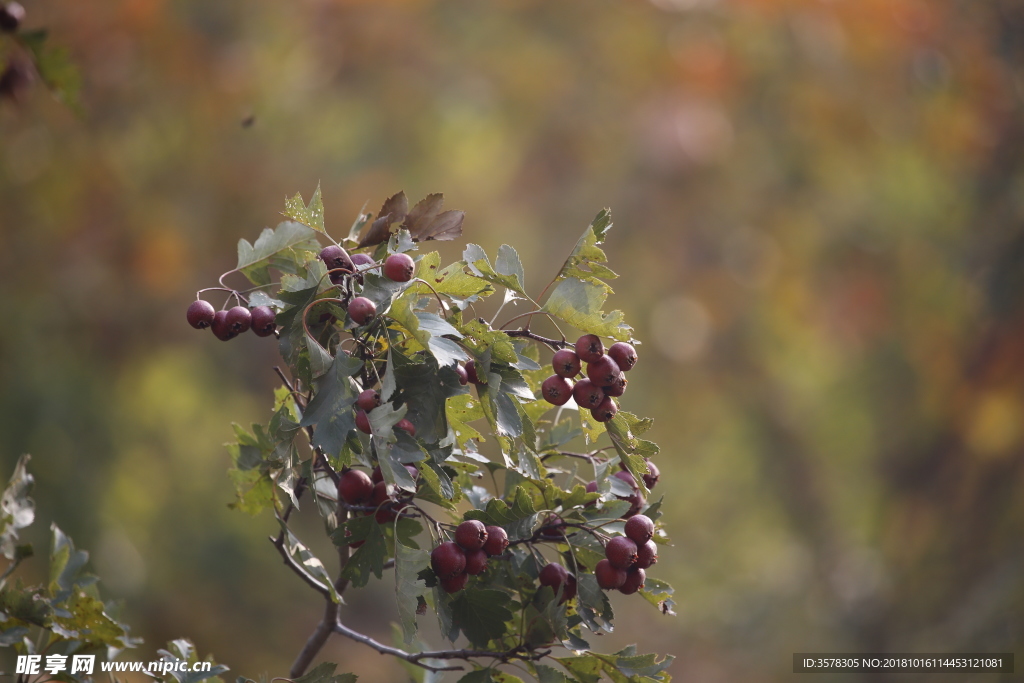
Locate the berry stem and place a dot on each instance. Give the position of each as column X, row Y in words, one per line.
column 553, row 343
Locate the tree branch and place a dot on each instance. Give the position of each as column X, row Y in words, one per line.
column 553, row 343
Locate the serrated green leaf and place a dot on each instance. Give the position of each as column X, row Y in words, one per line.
column 286, row 248
column 311, row 215
column 580, row 304
column 480, row 266
column 408, row 587
column 330, row 410
column 481, row 614
column 298, row 551
column 460, row 410
column 547, row 674
column 587, row 260
column 369, row 558
column 478, row 676
column 452, row 281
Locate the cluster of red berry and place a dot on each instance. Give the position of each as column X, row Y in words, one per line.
column 359, row 489
column 367, row 401
column 454, row 562
column 626, row 557
column 605, row 376
column 232, row 322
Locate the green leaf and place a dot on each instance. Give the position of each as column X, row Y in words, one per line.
column 17, row 510
column 508, row 274
column 324, row 673
column 659, row 593
column 319, row 359
column 481, row 614
column 460, row 410
column 426, row 328
column 311, row 215
column 286, row 248
column 478, row 676
column 517, row 521
column 369, row 558
column 310, row 562
column 182, row 650
column 587, row 261
column 408, row 586
column 547, row 674
column 593, row 604
column 452, row 281
column 330, row 410
column 579, row 303
column 55, row 68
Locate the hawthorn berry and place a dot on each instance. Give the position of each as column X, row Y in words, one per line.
column 557, row 390
column 591, row 487
column 624, row 355
column 399, row 267
column 471, row 373
column 497, row 540
column 587, row 394
column 336, row 258
column 239, row 319
column 363, row 422
column 376, row 476
column 413, row 471
column 354, row 487
column 361, row 310
column 553, row 528
column 368, row 400
column 621, row 552
column 264, row 321
column 618, row 387
column 589, row 348
column 361, row 261
column 636, row 501
column 463, row 375
column 476, row 561
column 221, row 328
column 200, row 314
column 455, row 583
column 609, row 577
column 471, row 534
column 382, row 501
column 646, row 554
column 11, row 16
column 606, row 410
column 556, row 576
column 652, row 475
column 447, row 560
column 640, row 528
column 566, row 363
column 603, row 372
column 406, row 426
column 634, row 581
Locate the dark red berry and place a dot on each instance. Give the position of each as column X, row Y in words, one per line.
column 447, row 560
column 200, row 314
column 652, row 475
column 603, row 372
column 361, row 310
column 11, row 16
column 471, row 373
column 382, row 501
column 606, row 410
column 589, row 348
column 587, row 394
column 463, row 375
column 618, row 387
column 556, row 576
column 608, row 576
column 221, row 328
column 640, row 528
column 368, row 400
column 406, row 426
column 624, row 355
column 570, row 589
column 471, row 534
column 377, row 476
column 556, row 390
column 361, row 261
column 355, row 487
column 413, row 471
column 621, row 552
column 363, row 422
column 553, row 528
column 497, row 541
column 636, row 501
column 239, row 319
column 336, row 258
column 476, row 561
column 399, row 267
column 592, row 487
column 646, row 554
column 566, row 363
column 455, row 583
column 264, row 321
column 634, row 581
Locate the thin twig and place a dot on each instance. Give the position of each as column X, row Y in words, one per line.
column 553, row 343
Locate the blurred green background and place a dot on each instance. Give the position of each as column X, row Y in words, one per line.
column 818, row 207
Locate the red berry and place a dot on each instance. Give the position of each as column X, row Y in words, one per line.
column 455, row 583
column 556, row 390
column 618, row 387
column 640, row 528
column 497, row 541
column 609, row 577
column 646, row 554
column 413, row 471
column 553, row 528
column 363, row 422
column 592, row 487
column 399, row 267
column 463, row 375
column 634, row 581
column 603, row 372
column 200, row 314
column 471, row 373
column 566, row 363
column 556, row 576
column 447, row 560
column 368, row 400
column 624, row 355
column 264, row 321
column 354, row 487
column 570, row 589
column 636, row 501
column 361, row 261
column 476, row 561
column 377, row 476
column 220, row 327
column 382, row 501
column 407, row 426
column 336, row 258
column 652, row 475
column 471, row 534
column 361, row 310
column 606, row 410
column 239, row 319
column 587, row 394
column 589, row 348
column 621, row 552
